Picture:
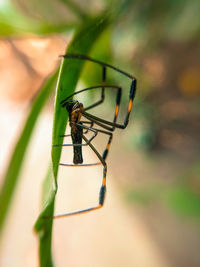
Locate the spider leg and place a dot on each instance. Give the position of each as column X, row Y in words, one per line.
column 65, row 135
column 105, row 153
column 95, row 132
column 102, row 91
column 83, row 57
column 86, row 131
column 118, row 100
column 64, row 101
column 88, row 122
column 102, row 189
column 114, row 124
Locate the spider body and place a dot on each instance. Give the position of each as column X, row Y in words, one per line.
column 75, row 110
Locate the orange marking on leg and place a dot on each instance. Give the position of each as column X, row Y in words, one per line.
column 116, row 110
column 130, row 105
column 104, row 181
column 96, row 208
column 108, row 146
column 103, row 83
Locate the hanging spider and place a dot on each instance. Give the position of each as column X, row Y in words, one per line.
column 79, row 127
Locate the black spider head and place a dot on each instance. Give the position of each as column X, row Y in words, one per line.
column 70, row 105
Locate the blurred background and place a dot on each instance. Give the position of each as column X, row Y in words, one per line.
column 152, row 210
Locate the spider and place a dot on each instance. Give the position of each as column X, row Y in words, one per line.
column 80, row 127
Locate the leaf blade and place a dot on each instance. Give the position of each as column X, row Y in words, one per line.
column 68, row 77
column 14, row 167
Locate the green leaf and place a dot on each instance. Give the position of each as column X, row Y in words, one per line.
column 44, row 222
column 16, row 161
column 68, row 77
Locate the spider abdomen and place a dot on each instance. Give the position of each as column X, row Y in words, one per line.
column 77, row 134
